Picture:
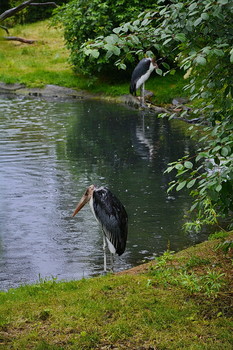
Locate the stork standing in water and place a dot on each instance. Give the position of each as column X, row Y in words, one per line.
column 140, row 74
column 111, row 215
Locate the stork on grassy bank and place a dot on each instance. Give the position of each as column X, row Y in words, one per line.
column 112, row 217
column 140, row 75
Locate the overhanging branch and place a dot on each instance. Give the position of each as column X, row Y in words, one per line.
column 43, row 3
column 13, row 10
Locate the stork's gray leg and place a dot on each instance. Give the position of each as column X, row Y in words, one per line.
column 112, row 261
column 143, row 94
column 105, row 257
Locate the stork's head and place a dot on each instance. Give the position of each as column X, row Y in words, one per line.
column 154, row 63
column 85, row 199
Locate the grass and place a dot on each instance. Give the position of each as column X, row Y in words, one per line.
column 46, row 62
column 153, row 309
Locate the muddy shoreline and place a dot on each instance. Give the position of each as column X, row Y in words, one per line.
column 51, row 92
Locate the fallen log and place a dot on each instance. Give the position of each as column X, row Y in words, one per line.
column 22, row 40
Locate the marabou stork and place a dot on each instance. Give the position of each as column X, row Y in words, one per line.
column 140, row 74
column 111, row 215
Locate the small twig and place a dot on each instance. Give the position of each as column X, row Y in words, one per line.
column 5, row 28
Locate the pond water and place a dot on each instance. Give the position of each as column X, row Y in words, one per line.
column 50, row 152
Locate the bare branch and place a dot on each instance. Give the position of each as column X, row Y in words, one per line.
column 14, row 10
column 5, row 28
column 16, row 38
column 44, row 3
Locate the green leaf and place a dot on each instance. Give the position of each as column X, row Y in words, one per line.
column 188, row 164
column 117, row 30
column 159, row 71
column 145, row 22
column 224, row 151
column 193, row 206
column 197, row 22
column 191, row 183
column 167, row 41
column 116, row 50
column 171, row 188
column 181, row 185
column 136, row 23
column 218, row 188
column 111, row 39
column 200, row 60
column 180, row 37
column 94, row 53
column 169, row 169
column 223, row 2
column 192, row 6
column 216, row 149
column 231, row 56
column 165, row 65
column 179, row 166
column 218, row 52
column 112, row 49
column 173, row 71
column 205, row 16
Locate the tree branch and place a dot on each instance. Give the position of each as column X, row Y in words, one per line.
column 5, row 28
column 22, row 40
column 12, row 11
column 44, row 3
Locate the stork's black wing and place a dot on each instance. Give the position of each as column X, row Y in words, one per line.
column 112, row 216
column 141, row 69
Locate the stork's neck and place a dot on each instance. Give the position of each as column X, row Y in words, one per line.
column 92, row 207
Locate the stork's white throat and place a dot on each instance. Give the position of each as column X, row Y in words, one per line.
column 145, row 76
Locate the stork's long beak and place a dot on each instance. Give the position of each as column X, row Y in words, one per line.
column 81, row 204
column 85, row 198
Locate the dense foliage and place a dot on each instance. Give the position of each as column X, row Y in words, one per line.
column 84, row 20
column 198, row 36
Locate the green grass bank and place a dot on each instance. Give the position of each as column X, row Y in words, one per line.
column 180, row 301
column 46, row 62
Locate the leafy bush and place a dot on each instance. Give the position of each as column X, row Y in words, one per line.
column 209, row 175
column 85, row 20
column 197, row 35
